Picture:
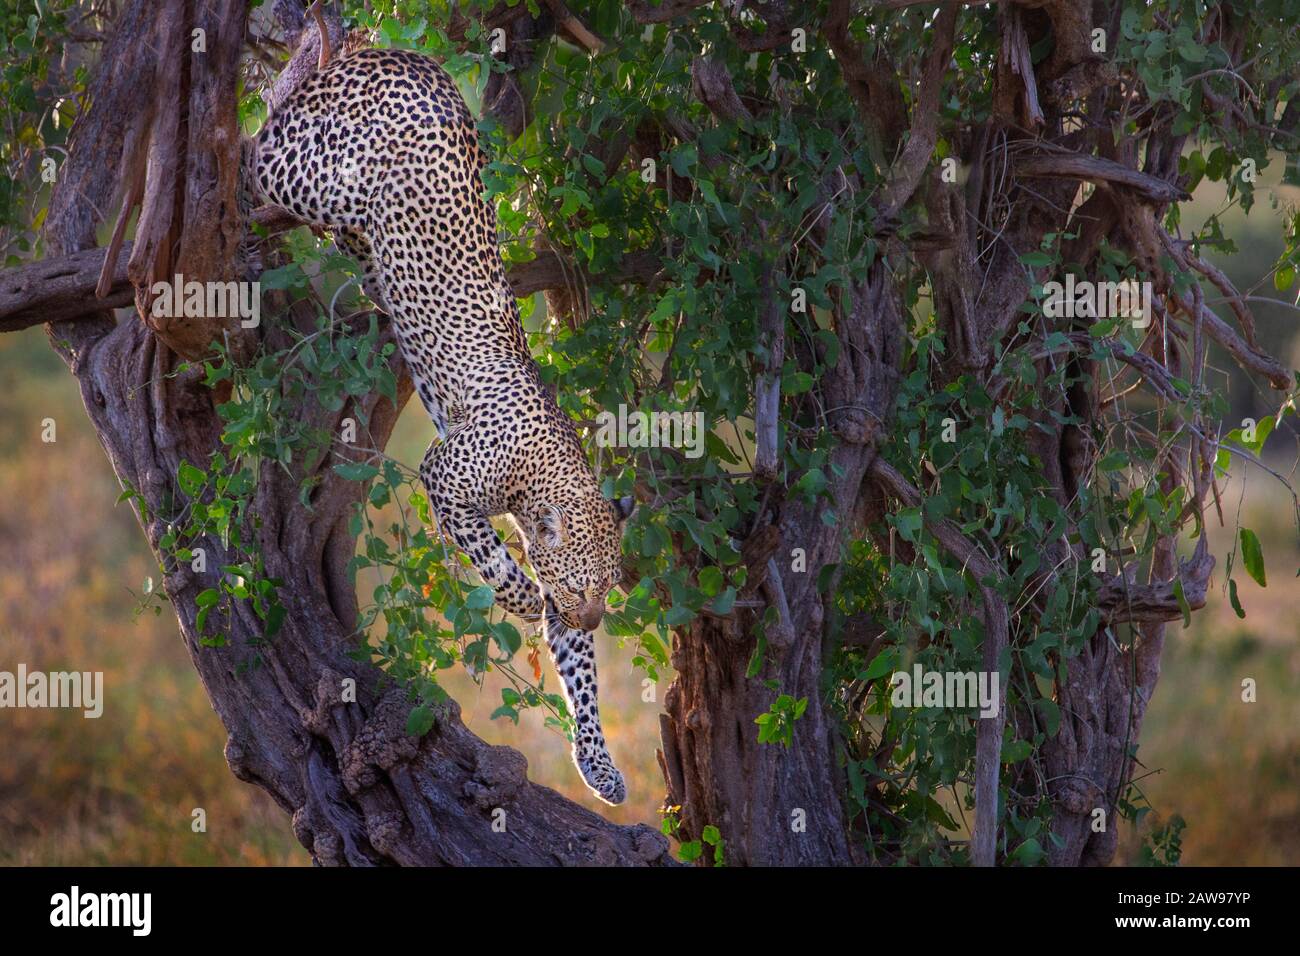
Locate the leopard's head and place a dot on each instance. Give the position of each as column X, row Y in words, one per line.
column 575, row 546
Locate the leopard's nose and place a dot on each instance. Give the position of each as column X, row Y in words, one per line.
column 590, row 616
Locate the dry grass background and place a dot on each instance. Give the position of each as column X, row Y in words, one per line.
column 120, row 788
column 1232, row 769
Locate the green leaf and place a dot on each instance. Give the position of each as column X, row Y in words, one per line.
column 1050, row 711
column 725, row 601
column 1113, row 462
column 1029, row 852
column 886, row 662
column 1236, row 602
column 1190, row 50
column 757, row 658
column 1016, row 751
column 1186, row 608
column 683, row 158
column 908, row 521
column 420, row 722
column 507, row 637
column 711, row 580
column 356, row 471
column 796, row 383
column 190, row 479
column 1253, row 556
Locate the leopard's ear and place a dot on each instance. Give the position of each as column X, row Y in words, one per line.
column 552, row 526
column 623, row 507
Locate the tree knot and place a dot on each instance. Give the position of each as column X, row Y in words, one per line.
column 329, row 694
column 237, row 759
column 381, row 744
column 856, row 428
column 648, row 845
column 1079, row 796
column 313, row 832
column 499, row 774
column 384, row 830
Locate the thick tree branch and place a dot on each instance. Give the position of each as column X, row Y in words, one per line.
column 767, row 380
column 63, row 289
column 1095, row 169
column 911, row 166
column 647, row 11
column 714, row 88
column 872, row 85
column 1124, row 602
column 575, row 27
column 551, row 271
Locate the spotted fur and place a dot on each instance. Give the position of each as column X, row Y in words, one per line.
column 380, row 148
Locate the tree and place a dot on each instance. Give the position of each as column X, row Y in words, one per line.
column 829, row 230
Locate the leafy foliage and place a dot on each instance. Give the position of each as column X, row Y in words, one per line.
column 40, row 103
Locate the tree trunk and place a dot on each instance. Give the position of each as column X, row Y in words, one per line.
column 779, row 805
column 775, row 805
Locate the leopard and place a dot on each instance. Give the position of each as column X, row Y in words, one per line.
column 378, row 147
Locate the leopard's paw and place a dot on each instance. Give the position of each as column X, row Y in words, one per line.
column 604, row 779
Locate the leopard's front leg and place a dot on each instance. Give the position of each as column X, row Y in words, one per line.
column 353, row 242
column 444, row 472
column 473, row 533
column 573, row 653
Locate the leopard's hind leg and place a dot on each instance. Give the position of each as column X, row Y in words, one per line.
column 353, row 242
column 312, row 165
column 322, row 167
